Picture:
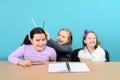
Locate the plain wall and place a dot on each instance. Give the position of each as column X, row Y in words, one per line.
column 101, row 16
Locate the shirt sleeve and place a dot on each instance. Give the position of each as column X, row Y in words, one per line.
column 16, row 55
column 59, row 48
column 53, row 55
column 80, row 54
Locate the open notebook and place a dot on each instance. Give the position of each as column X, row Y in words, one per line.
column 62, row 67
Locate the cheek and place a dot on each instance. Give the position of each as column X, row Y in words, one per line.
column 68, row 41
column 44, row 43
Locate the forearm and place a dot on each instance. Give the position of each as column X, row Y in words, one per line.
column 58, row 47
column 13, row 59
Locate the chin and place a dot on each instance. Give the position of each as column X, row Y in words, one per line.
column 41, row 49
column 61, row 43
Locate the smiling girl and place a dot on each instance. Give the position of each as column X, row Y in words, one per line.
column 33, row 49
column 63, row 44
column 91, row 50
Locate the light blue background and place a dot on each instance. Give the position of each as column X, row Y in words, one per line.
column 101, row 16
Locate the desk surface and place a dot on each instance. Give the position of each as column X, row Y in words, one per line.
column 98, row 71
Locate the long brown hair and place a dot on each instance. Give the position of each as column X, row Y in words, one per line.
column 86, row 32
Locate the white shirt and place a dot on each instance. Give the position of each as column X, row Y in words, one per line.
column 97, row 56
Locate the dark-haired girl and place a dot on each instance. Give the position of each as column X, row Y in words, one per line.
column 33, row 49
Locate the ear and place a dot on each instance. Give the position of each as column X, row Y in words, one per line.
column 85, row 41
column 31, row 40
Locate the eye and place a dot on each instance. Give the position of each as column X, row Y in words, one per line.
column 89, row 38
column 63, row 36
column 43, row 39
column 37, row 40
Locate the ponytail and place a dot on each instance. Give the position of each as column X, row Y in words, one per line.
column 26, row 40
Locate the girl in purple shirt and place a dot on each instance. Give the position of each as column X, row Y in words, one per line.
column 33, row 50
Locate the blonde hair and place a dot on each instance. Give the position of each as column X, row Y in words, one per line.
column 70, row 34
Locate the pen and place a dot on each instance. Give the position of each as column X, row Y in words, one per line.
column 37, row 63
column 68, row 66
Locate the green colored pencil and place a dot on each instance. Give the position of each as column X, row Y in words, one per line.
column 43, row 26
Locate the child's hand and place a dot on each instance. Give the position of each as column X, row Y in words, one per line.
column 24, row 63
column 48, row 36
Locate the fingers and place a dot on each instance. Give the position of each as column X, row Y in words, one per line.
column 24, row 63
column 47, row 36
column 27, row 65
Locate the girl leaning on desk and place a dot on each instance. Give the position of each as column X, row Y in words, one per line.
column 33, row 49
column 91, row 50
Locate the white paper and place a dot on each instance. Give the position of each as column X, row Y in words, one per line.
column 79, row 67
column 74, row 67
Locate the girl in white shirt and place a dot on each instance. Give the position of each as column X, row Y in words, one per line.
column 91, row 50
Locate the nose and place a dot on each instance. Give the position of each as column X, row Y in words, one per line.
column 41, row 42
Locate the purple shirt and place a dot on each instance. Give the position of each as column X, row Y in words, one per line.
column 29, row 53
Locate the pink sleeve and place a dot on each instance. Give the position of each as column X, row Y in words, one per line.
column 53, row 55
column 16, row 55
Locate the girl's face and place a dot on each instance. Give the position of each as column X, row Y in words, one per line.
column 39, row 41
column 90, row 40
column 63, row 37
